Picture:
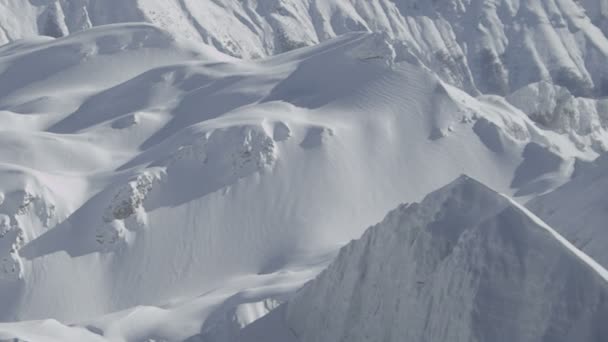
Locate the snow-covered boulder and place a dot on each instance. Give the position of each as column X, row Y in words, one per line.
column 23, row 214
column 125, row 212
column 11, row 239
column 129, row 199
column 225, row 155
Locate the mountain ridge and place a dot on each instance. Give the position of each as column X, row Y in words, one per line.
column 463, row 247
column 477, row 45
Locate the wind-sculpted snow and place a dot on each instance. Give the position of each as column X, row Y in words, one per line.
column 464, row 264
column 162, row 173
column 504, row 47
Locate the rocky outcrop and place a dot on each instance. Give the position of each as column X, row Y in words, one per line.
column 20, row 211
column 125, row 212
column 583, row 120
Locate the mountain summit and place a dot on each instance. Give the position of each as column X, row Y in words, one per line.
column 465, row 264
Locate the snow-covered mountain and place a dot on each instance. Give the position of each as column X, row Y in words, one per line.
column 479, row 45
column 133, row 163
column 106, row 152
column 578, row 209
column 465, row 264
column 178, row 169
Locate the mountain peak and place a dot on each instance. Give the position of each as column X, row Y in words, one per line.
column 465, row 264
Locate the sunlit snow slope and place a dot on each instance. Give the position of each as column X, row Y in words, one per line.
column 139, row 169
column 465, row 264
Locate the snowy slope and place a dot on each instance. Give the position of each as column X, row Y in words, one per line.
column 479, row 45
column 139, row 169
column 465, row 264
column 598, row 13
column 578, row 209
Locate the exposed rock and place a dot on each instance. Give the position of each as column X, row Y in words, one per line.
column 129, row 198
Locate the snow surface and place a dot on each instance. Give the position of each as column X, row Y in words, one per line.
column 584, row 120
column 155, row 188
column 578, row 209
column 465, row 264
column 480, row 45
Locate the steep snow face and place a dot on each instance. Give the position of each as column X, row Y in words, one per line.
column 155, row 170
column 578, row 209
column 598, row 13
column 57, row 18
column 465, row 264
column 480, row 45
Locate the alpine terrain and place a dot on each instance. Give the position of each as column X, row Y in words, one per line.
column 207, row 170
